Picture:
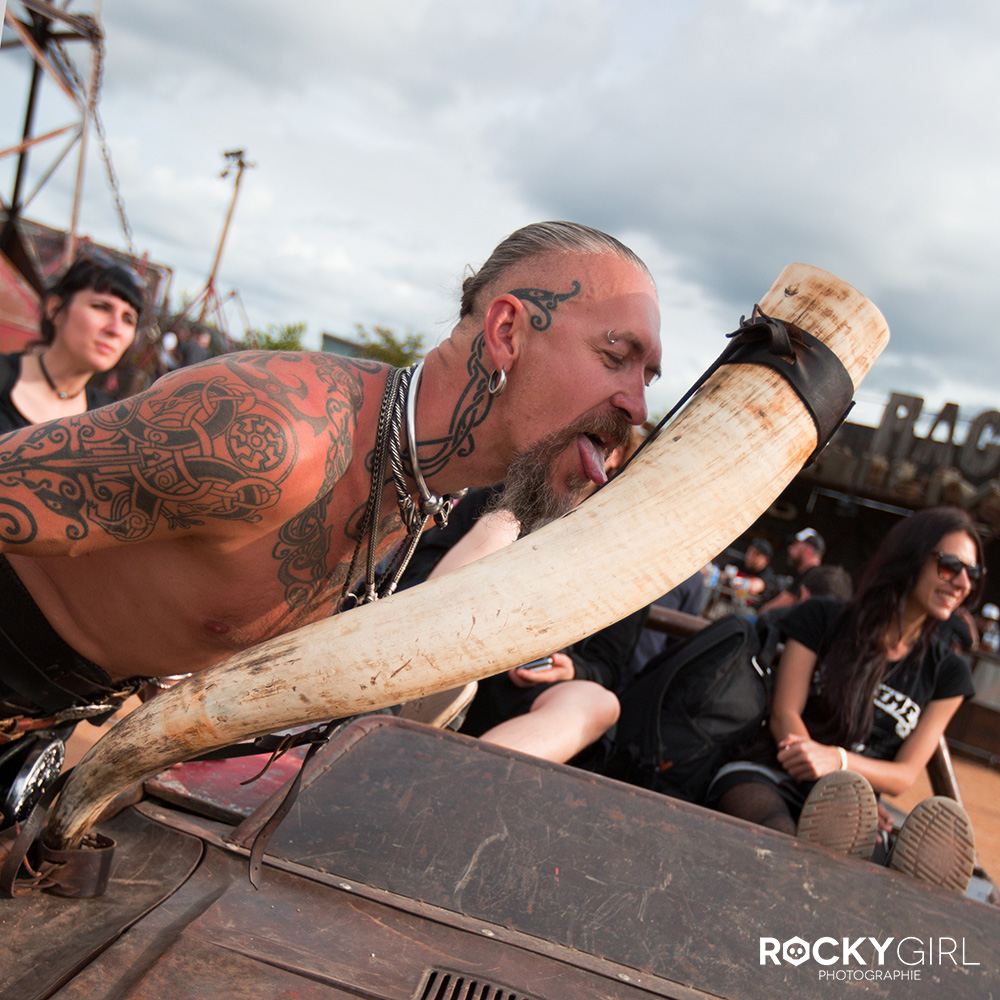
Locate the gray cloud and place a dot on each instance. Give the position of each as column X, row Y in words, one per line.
column 397, row 142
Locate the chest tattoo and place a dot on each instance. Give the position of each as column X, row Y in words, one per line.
column 306, row 541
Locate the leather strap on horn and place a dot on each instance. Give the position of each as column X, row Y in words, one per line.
column 82, row 872
column 30, row 865
column 283, row 807
column 817, row 375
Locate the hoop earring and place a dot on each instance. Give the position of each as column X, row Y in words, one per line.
column 496, row 388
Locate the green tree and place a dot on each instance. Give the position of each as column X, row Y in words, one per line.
column 383, row 344
column 283, row 337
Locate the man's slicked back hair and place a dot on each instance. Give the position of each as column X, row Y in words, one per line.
column 537, row 240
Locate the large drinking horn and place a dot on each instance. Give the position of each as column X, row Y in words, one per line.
column 700, row 483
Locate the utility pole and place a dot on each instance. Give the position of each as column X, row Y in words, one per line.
column 234, row 159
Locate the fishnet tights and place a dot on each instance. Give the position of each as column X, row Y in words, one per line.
column 759, row 803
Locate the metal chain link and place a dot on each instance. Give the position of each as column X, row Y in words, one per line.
column 386, row 453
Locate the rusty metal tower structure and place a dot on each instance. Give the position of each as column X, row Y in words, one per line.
column 45, row 30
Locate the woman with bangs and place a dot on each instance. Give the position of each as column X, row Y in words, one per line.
column 89, row 320
column 863, row 693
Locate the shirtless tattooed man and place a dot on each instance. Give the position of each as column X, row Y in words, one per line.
column 225, row 504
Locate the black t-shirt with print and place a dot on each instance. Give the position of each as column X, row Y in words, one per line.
column 907, row 687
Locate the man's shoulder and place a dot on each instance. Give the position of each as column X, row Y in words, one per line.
column 311, row 397
column 289, row 375
column 304, row 363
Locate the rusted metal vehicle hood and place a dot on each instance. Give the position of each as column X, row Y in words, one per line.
column 420, row 865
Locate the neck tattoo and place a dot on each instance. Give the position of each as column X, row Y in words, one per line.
column 51, row 382
column 400, row 394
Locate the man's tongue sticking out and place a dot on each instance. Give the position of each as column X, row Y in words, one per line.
column 592, row 459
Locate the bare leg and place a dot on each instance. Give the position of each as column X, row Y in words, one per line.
column 562, row 721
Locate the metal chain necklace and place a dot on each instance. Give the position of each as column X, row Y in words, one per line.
column 52, row 385
column 400, row 394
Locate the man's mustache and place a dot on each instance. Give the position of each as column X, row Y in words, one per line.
column 613, row 429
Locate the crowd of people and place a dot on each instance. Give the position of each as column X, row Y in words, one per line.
column 866, row 684
column 180, row 574
column 863, row 693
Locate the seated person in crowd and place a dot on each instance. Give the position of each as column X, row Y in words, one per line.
column 960, row 632
column 755, row 568
column 805, row 550
column 825, row 581
column 746, row 580
column 820, row 581
column 863, row 693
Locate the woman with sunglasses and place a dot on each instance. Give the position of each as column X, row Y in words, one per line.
column 89, row 320
column 863, row 693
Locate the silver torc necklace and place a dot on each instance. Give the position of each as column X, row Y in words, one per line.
column 52, row 385
column 400, row 394
column 431, row 505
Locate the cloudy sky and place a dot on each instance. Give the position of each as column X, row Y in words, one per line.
column 397, row 142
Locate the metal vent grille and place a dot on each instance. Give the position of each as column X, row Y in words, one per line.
column 451, row 986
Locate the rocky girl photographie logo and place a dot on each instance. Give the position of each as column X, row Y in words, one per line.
column 867, row 957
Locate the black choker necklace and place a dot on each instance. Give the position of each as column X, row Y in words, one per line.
column 52, row 385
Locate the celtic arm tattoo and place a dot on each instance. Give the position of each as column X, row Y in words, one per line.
column 474, row 404
column 206, row 449
column 306, row 540
column 217, row 443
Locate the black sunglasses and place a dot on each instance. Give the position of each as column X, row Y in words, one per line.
column 950, row 567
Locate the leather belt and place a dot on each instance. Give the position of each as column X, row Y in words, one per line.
column 16, row 724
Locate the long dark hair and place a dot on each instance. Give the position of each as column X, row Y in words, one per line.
column 857, row 663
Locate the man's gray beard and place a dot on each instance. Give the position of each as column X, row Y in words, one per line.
column 526, row 491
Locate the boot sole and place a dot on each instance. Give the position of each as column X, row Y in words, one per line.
column 936, row 844
column 841, row 814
